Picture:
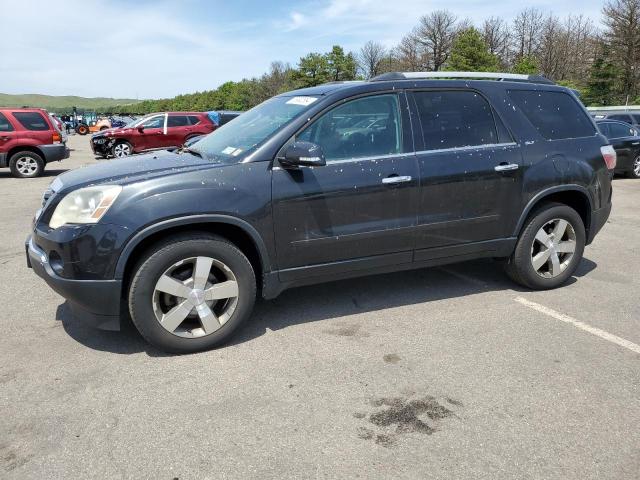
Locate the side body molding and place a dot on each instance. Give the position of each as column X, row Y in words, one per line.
column 193, row 220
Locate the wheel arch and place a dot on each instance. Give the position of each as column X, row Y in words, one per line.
column 574, row 196
column 25, row 148
column 236, row 230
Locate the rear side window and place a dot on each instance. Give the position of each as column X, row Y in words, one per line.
column 455, row 119
column 32, row 120
column 555, row 115
column 604, row 128
column 636, row 118
column 194, row 120
column 5, row 126
column 177, row 121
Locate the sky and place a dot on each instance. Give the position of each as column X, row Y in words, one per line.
column 157, row 48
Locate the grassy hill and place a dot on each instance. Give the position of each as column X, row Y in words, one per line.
column 62, row 104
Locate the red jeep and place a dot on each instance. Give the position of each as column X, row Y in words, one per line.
column 29, row 139
column 152, row 132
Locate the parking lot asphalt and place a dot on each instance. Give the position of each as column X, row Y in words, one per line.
column 449, row 372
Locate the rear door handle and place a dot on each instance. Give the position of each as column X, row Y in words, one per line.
column 396, row 179
column 506, row 167
column 635, row 143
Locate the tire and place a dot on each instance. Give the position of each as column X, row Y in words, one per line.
column 544, row 224
column 82, row 130
column 179, row 258
column 634, row 171
column 122, row 149
column 26, row 165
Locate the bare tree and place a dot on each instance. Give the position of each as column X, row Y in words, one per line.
column 622, row 19
column 436, row 33
column 495, row 32
column 370, row 59
column 411, row 54
column 527, row 32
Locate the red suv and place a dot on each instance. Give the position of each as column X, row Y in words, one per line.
column 152, row 132
column 29, row 139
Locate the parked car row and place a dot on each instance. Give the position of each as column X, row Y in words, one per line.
column 403, row 171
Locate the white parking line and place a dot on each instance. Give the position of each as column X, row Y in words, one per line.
column 581, row 325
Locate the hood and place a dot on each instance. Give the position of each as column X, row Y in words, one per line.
column 131, row 169
column 102, row 133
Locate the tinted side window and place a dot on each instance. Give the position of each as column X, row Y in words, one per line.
column 455, row 119
column 31, row 120
column 604, row 128
column 636, row 118
column 177, row 121
column 555, row 115
column 365, row 127
column 5, row 126
column 194, row 120
column 617, row 130
column 622, row 118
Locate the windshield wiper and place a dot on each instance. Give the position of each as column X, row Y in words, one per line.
column 193, row 152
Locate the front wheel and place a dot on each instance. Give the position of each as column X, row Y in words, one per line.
column 82, row 129
column 191, row 292
column 634, row 171
column 549, row 248
column 122, row 149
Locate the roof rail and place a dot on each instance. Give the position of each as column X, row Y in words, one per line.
column 510, row 77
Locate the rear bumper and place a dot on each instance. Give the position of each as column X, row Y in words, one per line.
column 94, row 302
column 598, row 219
column 54, row 153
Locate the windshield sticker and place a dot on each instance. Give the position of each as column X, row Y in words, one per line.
column 304, row 101
column 229, row 150
column 236, row 152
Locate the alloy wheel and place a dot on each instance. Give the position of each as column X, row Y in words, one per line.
column 27, row 166
column 553, row 248
column 636, row 167
column 195, row 297
column 121, row 150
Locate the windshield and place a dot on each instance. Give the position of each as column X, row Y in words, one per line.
column 135, row 122
column 235, row 140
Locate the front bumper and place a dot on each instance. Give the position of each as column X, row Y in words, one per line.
column 95, row 302
column 102, row 148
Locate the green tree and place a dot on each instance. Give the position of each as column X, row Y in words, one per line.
column 601, row 85
column 313, row 69
column 340, row 66
column 526, row 65
column 470, row 53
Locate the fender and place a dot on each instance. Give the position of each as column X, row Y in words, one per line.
column 540, row 195
column 191, row 220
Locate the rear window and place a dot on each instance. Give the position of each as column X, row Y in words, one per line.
column 194, row 120
column 555, row 115
column 5, row 126
column 622, row 118
column 31, row 120
column 177, row 121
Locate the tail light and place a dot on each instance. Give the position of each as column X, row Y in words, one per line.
column 56, row 138
column 609, row 155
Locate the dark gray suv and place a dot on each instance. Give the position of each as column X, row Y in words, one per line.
column 404, row 171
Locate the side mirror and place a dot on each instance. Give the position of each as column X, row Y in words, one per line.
column 303, row 154
column 141, row 128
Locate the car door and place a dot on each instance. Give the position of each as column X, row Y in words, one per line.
column 178, row 128
column 359, row 210
column 8, row 137
column 152, row 134
column 470, row 178
column 624, row 139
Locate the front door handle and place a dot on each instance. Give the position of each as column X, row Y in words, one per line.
column 396, row 179
column 635, row 143
column 6, row 139
column 506, row 167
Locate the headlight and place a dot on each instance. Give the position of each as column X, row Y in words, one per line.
column 85, row 205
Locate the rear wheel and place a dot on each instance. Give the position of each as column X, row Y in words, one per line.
column 122, row 149
column 26, row 165
column 549, row 248
column 82, row 129
column 634, row 171
column 191, row 293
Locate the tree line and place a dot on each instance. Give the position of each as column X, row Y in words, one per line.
column 601, row 61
